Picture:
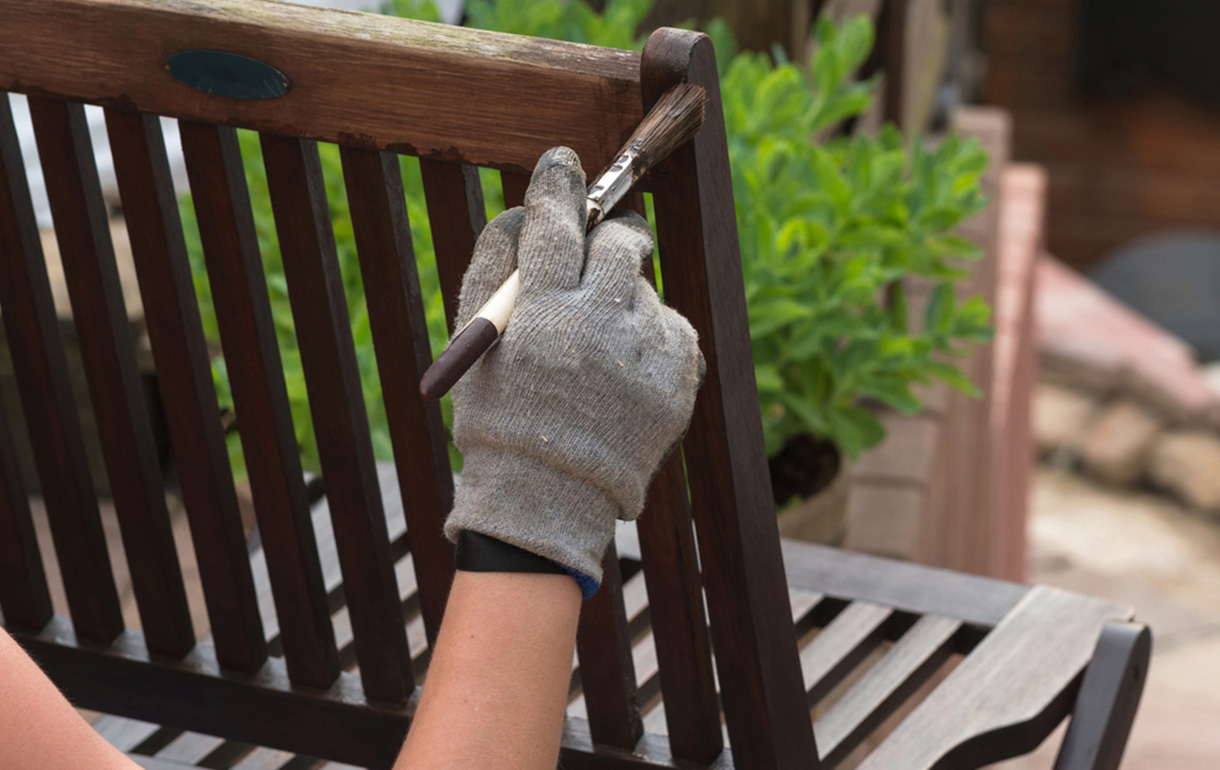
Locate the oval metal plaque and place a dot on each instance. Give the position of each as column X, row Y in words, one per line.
column 227, row 74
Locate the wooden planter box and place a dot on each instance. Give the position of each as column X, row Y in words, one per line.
column 950, row 487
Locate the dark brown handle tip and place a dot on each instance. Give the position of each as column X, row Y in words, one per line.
column 455, row 360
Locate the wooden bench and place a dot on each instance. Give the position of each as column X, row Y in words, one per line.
column 725, row 631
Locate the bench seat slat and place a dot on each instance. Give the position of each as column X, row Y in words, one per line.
column 904, row 668
column 1005, row 696
column 836, row 650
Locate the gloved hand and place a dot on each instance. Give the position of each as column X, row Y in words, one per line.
column 565, row 421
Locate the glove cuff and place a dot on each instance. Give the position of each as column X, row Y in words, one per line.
column 533, row 505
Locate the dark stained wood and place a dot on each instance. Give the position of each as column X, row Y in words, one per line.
column 439, row 91
column 185, row 380
column 336, row 723
column 889, row 56
column 835, row 651
column 514, row 184
column 456, row 215
column 108, row 352
column 683, row 649
column 906, row 666
column 332, row 723
column 607, row 673
column 908, row 587
column 336, row 401
column 759, row 671
column 123, row 733
column 400, row 336
column 1003, row 699
column 1108, row 699
column 41, row 371
column 24, row 598
column 277, row 483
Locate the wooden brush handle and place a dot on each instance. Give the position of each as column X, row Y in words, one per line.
column 472, row 341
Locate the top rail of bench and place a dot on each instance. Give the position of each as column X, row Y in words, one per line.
column 417, row 88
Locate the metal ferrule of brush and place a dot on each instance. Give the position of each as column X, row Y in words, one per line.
column 613, row 183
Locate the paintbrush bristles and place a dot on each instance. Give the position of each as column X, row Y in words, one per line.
column 673, row 120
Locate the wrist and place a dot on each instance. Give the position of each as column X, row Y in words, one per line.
column 529, row 504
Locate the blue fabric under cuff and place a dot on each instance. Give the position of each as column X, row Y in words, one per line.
column 588, row 586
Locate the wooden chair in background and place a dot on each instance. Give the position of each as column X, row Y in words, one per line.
column 317, row 644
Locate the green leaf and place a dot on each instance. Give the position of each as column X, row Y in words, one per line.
column 940, row 308
column 898, row 311
column 855, row 429
column 894, row 392
column 952, row 376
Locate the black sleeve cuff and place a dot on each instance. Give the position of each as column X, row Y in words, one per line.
column 479, row 553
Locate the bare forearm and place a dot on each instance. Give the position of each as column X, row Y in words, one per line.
column 39, row 728
column 497, row 684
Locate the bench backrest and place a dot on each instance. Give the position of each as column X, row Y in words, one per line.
column 377, row 87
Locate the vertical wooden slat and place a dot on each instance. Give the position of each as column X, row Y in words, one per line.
column 675, row 598
column 514, row 184
column 960, row 526
column 743, row 573
column 111, row 371
column 328, row 357
column 400, row 336
column 41, row 370
column 890, row 56
column 607, row 671
column 185, row 379
column 23, row 584
column 264, row 421
column 456, row 215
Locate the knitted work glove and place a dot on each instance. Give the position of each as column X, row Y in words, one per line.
column 564, row 422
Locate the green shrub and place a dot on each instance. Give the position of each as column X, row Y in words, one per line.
column 827, row 231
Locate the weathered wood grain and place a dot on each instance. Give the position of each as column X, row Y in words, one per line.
column 908, row 587
column 432, row 90
column 835, row 651
column 1004, row 698
column 866, row 705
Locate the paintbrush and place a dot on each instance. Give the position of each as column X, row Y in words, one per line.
column 672, row 121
